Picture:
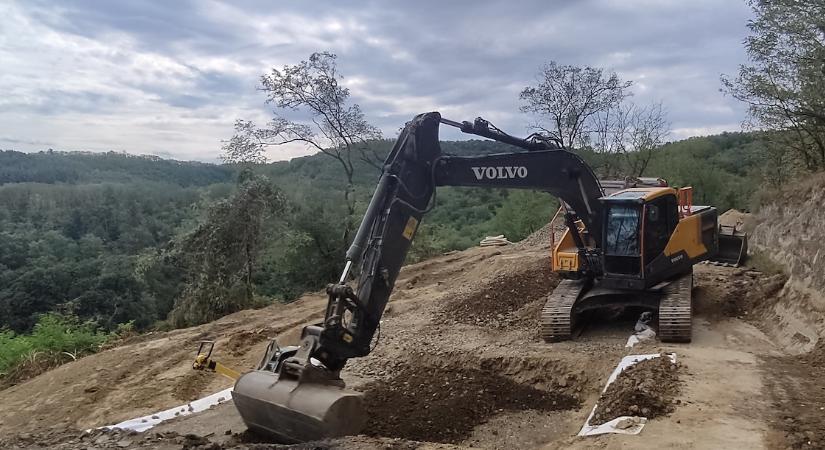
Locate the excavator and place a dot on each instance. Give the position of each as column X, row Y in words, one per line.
column 634, row 247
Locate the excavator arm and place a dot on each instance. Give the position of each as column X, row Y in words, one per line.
column 302, row 396
column 413, row 170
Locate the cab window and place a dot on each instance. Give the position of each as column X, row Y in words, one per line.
column 622, row 233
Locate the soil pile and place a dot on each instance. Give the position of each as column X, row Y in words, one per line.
column 544, row 236
column 444, row 404
column 646, row 389
column 734, row 218
column 496, row 301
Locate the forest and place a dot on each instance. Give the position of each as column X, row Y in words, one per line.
column 114, row 239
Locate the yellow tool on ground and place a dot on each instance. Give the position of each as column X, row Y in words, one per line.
column 204, row 362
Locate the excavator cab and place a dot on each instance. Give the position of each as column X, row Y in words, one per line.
column 638, row 225
column 648, row 236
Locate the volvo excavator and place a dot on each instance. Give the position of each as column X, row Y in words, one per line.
column 634, row 247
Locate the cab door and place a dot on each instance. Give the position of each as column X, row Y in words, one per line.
column 661, row 216
column 622, row 252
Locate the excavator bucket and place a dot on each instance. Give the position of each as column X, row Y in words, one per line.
column 733, row 246
column 291, row 410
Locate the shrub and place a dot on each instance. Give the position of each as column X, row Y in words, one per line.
column 55, row 339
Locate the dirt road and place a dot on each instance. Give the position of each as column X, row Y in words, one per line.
column 459, row 363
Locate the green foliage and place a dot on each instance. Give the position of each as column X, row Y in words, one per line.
column 724, row 170
column 463, row 217
column 53, row 334
column 220, row 255
column 523, row 213
column 783, row 82
column 74, row 248
column 113, row 252
column 305, row 254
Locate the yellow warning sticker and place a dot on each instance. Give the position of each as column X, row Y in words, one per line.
column 409, row 230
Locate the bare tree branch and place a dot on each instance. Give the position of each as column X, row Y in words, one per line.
column 335, row 127
column 569, row 97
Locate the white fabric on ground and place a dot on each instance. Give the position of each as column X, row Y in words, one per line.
column 146, row 422
column 624, row 424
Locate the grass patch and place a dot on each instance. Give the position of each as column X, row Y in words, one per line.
column 55, row 340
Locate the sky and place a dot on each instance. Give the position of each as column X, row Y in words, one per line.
column 169, row 78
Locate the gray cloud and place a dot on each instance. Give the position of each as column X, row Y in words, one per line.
column 171, row 77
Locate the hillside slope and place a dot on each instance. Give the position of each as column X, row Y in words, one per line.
column 465, row 317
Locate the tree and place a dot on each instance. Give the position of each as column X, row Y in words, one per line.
column 784, row 84
column 220, row 253
column 244, row 147
column 338, row 129
column 568, row 98
column 631, row 131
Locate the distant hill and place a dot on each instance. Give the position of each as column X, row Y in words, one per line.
column 79, row 168
column 722, row 168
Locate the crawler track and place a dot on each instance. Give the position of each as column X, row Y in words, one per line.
column 557, row 314
column 675, row 311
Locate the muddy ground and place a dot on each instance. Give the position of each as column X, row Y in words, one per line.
column 459, row 364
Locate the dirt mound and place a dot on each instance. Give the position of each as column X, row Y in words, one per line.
column 444, row 404
column 190, row 385
column 543, row 237
column 646, row 389
column 734, row 218
column 741, row 293
column 495, row 302
column 242, row 342
column 540, row 237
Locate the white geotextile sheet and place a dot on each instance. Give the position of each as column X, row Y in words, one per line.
column 611, row 426
column 640, row 336
column 146, row 422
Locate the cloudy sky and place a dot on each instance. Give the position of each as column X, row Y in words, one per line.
column 170, row 77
